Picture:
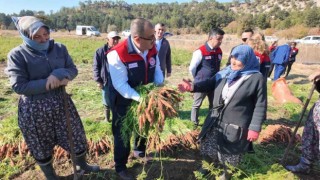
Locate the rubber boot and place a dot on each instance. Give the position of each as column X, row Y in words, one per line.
column 225, row 176
column 107, row 111
column 48, row 170
column 304, row 166
column 81, row 164
column 203, row 171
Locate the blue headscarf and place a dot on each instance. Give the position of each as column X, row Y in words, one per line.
column 245, row 54
column 29, row 26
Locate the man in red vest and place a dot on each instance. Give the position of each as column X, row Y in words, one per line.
column 204, row 64
column 132, row 62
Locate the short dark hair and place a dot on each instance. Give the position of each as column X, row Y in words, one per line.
column 249, row 30
column 161, row 24
column 216, row 31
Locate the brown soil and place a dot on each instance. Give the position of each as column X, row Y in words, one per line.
column 181, row 165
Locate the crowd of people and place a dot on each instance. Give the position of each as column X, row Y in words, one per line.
column 39, row 69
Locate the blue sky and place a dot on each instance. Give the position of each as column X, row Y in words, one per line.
column 15, row 6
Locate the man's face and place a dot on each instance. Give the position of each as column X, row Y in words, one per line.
column 245, row 36
column 215, row 41
column 159, row 30
column 113, row 41
column 146, row 41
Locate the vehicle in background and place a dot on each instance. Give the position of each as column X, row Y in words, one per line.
column 126, row 32
column 271, row 38
column 167, row 34
column 309, row 40
column 87, row 30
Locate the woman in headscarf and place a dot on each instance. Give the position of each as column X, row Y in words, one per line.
column 38, row 69
column 239, row 109
column 310, row 149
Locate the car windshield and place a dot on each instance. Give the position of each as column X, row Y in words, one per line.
column 93, row 29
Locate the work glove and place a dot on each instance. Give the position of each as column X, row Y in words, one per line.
column 185, row 86
column 253, row 135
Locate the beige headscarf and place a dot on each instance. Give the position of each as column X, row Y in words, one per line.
column 29, row 25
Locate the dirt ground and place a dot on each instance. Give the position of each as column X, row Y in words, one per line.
column 180, row 166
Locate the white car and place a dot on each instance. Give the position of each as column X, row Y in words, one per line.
column 271, row 38
column 126, row 32
column 309, row 40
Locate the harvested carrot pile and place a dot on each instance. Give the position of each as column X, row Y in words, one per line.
column 186, row 140
column 277, row 133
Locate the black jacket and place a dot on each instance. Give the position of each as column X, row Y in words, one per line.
column 100, row 71
column 245, row 110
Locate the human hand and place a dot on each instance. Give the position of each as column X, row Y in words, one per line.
column 141, row 99
column 314, row 76
column 100, row 85
column 168, row 74
column 64, row 82
column 185, row 86
column 253, row 135
column 52, row 82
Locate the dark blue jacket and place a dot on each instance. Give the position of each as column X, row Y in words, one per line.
column 100, row 71
column 293, row 54
column 210, row 63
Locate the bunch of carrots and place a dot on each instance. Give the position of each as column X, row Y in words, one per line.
column 161, row 103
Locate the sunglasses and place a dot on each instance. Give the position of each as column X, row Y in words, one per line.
column 244, row 39
column 148, row 39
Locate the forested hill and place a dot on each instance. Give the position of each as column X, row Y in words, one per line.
column 192, row 16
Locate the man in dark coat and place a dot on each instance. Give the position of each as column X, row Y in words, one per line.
column 164, row 50
column 100, row 71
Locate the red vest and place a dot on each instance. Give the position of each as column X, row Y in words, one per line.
column 139, row 72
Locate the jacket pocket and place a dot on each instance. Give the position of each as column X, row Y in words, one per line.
column 232, row 133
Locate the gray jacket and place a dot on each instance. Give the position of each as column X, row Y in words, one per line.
column 28, row 70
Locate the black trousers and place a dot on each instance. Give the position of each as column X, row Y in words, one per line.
column 289, row 67
column 122, row 147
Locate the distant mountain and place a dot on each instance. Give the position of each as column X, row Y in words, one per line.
column 263, row 6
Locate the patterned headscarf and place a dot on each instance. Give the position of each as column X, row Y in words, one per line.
column 245, row 54
column 29, row 26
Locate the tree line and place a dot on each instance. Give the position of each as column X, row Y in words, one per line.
column 193, row 16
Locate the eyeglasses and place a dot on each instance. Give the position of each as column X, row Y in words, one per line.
column 148, row 39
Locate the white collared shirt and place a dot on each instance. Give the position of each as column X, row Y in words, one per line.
column 158, row 44
column 119, row 73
